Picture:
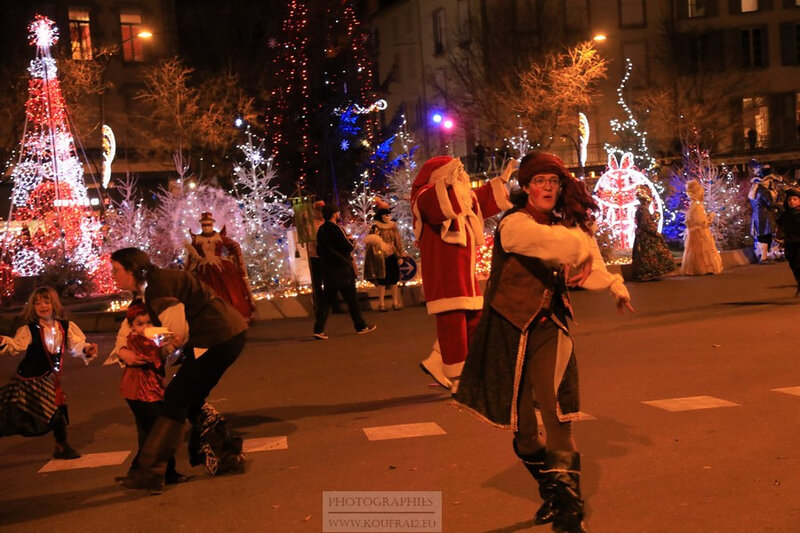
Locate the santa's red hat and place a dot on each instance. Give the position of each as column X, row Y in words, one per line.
column 424, row 175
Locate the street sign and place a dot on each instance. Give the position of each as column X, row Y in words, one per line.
column 408, row 269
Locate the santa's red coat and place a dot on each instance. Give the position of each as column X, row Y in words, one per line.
column 447, row 235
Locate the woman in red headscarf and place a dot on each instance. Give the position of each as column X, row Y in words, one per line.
column 217, row 260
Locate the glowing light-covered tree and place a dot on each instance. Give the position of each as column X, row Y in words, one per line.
column 322, row 67
column 632, row 140
column 266, row 213
column 399, row 181
column 49, row 193
column 129, row 222
column 360, row 214
column 178, row 214
column 725, row 195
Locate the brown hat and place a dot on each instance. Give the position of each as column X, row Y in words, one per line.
column 536, row 163
column 206, row 217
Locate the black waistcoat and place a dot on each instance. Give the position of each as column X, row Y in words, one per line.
column 36, row 362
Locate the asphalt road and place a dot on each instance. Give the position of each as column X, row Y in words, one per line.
column 735, row 468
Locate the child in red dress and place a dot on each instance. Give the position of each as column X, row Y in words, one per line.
column 142, row 381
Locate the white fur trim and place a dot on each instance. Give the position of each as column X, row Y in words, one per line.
column 446, row 173
column 417, row 221
column 457, row 303
column 500, row 194
column 443, row 197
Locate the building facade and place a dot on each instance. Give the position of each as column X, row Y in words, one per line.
column 751, row 47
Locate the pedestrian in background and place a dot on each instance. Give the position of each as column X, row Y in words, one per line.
column 762, row 222
column 384, row 251
column 789, row 232
column 522, row 353
column 335, row 249
column 34, row 403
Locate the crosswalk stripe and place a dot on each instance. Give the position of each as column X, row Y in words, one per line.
column 88, row 460
column 690, row 403
column 794, row 391
column 265, row 444
column 581, row 416
column 404, row 431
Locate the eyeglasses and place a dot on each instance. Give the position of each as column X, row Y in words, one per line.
column 541, row 182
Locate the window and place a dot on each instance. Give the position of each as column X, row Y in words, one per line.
column 697, row 8
column 464, row 32
column 790, row 43
column 631, row 13
column 463, row 21
column 576, row 15
column 80, row 34
column 749, row 6
column 754, row 51
column 132, row 46
column 438, row 31
column 797, row 119
column 755, row 118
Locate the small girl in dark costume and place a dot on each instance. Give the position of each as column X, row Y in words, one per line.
column 34, row 403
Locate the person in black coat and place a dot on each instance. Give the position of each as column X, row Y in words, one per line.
column 335, row 250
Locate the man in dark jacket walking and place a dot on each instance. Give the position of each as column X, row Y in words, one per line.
column 335, row 250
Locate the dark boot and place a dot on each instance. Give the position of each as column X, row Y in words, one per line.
column 565, row 469
column 172, row 476
column 158, row 449
column 535, row 464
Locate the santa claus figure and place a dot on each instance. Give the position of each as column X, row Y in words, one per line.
column 448, row 224
column 217, row 261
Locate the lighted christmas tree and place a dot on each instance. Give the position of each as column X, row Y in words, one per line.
column 400, row 179
column 178, row 214
column 725, row 196
column 323, row 92
column 632, row 140
column 129, row 222
column 266, row 214
column 49, row 195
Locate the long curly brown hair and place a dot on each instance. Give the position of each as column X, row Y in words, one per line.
column 48, row 294
column 575, row 205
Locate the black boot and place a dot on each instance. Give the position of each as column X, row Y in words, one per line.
column 565, row 469
column 158, row 449
column 535, row 464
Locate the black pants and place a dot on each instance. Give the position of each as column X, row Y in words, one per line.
column 188, row 390
column 145, row 415
column 792, row 252
column 348, row 292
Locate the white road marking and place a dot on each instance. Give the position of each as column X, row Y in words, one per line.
column 265, row 444
column 691, row 403
column 404, row 431
column 794, row 391
column 87, row 460
column 581, row 417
